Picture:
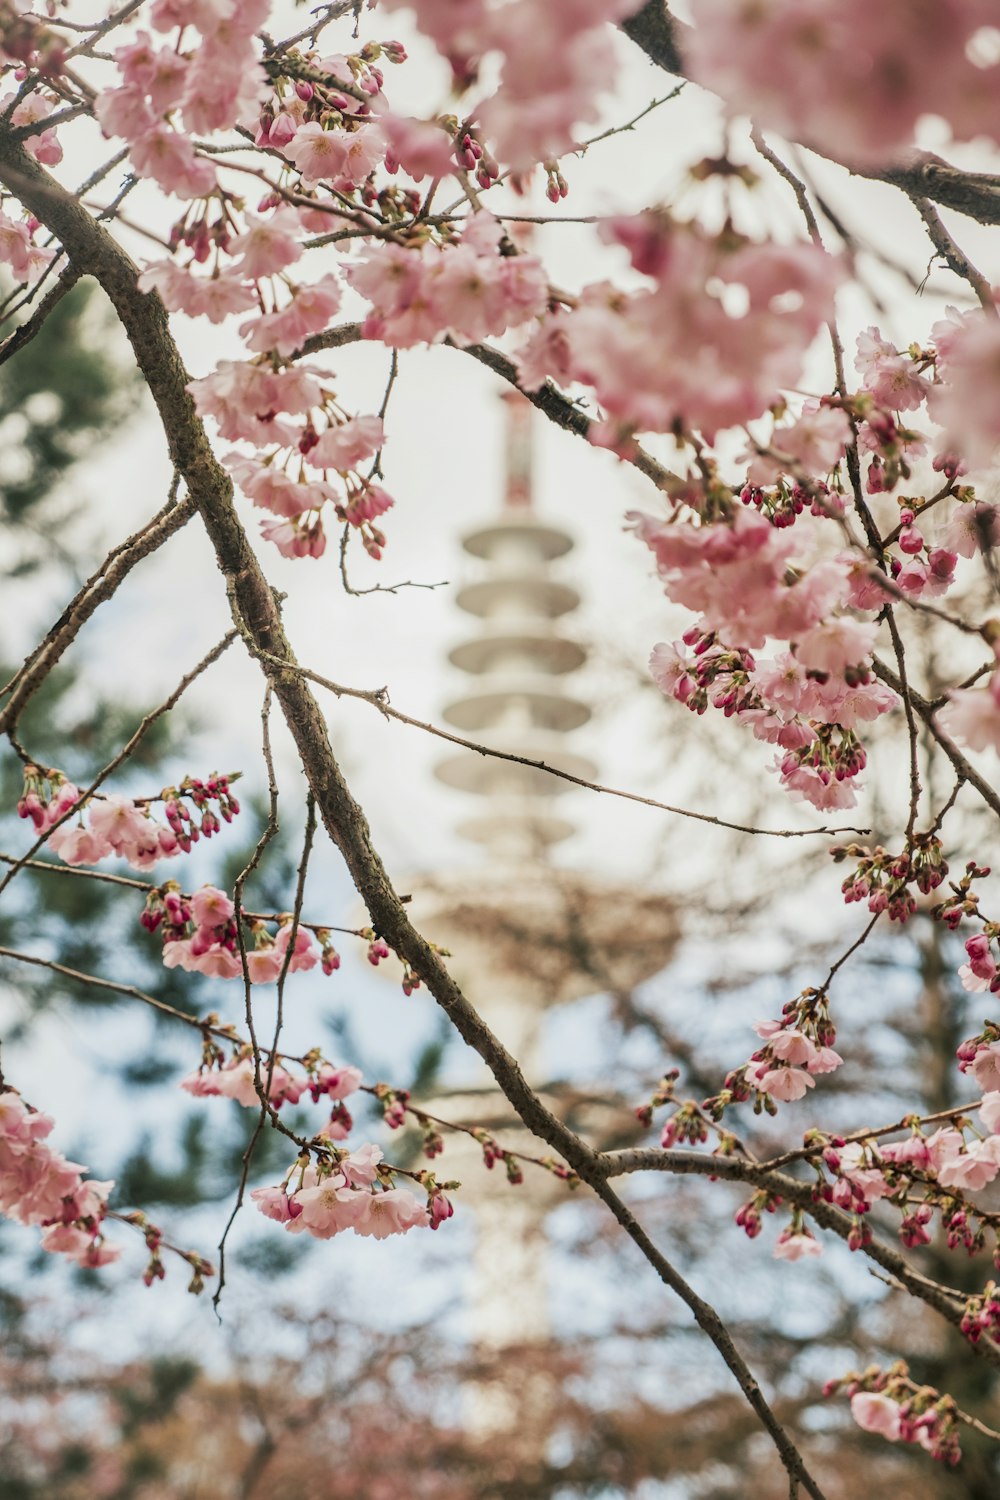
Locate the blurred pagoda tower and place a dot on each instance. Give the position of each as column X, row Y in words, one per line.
column 524, row 934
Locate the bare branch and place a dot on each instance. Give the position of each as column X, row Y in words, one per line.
column 100, row 586
column 379, row 698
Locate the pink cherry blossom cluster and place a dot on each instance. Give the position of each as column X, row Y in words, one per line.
column 733, row 573
column 848, row 78
column 465, row 287
column 38, row 1186
column 956, row 377
column 555, row 62
column 324, row 115
column 167, row 95
column 236, row 1078
column 980, row 1056
column 199, row 934
column 18, row 250
column 942, row 1168
column 725, row 368
column 30, row 110
column 347, row 1190
column 795, row 1049
column 245, row 400
column 889, row 1404
column 812, row 445
column 806, row 701
column 122, row 826
column 883, row 880
column 26, row 39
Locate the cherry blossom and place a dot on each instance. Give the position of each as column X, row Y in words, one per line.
column 876, row 1413
column 972, row 715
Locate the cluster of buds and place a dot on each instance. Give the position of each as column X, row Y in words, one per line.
column 156, row 1244
column 686, row 1125
column 394, row 202
column 718, row 674
column 883, row 880
column 307, row 91
column 891, row 1405
column 913, row 1230
column 393, row 52
column 394, row 1104
column 835, row 754
column 363, row 503
column 203, row 236
column 439, row 1206
column 200, row 935
column 187, row 825
column 982, row 1314
column 784, row 502
column 963, row 902
column 471, row 154
column 961, row 1231
column 378, row 948
column 748, row 1217
column 556, row 186
column 45, row 797
column 933, row 573
column 664, row 1094
column 329, row 957
column 493, row 1152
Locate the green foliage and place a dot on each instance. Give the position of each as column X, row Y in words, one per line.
column 59, row 398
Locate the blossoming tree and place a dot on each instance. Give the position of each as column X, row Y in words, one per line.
column 815, row 500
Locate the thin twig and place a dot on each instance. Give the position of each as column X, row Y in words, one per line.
column 378, row 698
column 79, row 873
column 269, row 832
column 123, row 754
column 131, row 991
column 99, row 587
column 955, row 258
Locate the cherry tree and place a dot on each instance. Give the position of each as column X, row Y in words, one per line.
column 817, row 502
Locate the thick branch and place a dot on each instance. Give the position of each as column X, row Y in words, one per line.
column 950, row 1304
